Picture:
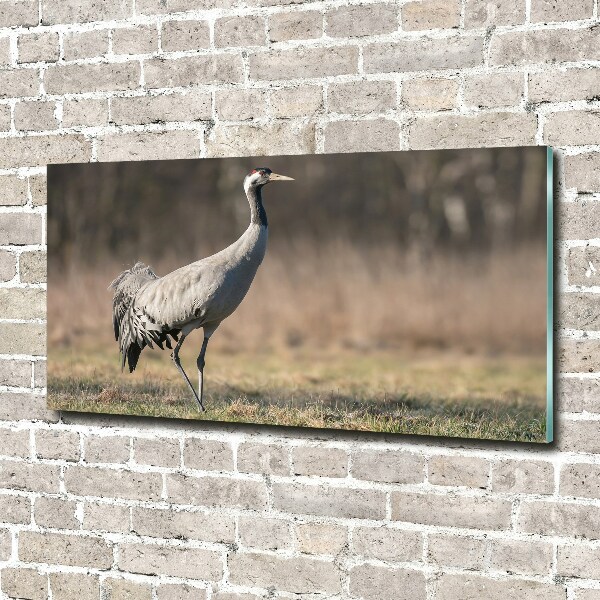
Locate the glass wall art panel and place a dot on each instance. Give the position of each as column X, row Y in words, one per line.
column 396, row 292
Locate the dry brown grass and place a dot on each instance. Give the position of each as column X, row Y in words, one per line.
column 336, row 296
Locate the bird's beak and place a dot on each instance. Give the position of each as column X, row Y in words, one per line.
column 276, row 177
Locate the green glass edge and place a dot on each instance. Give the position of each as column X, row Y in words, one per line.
column 550, row 297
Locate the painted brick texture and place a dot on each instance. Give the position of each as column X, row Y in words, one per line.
column 101, row 507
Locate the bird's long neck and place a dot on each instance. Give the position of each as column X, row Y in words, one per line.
column 258, row 215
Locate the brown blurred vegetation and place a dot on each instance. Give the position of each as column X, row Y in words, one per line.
column 441, row 250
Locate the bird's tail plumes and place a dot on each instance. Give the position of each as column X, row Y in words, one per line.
column 132, row 331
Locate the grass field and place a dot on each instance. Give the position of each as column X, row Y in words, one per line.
column 429, row 393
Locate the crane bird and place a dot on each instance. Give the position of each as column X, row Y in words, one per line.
column 148, row 309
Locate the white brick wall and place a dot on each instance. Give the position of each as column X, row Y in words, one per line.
column 109, row 507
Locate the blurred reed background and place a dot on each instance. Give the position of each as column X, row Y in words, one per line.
column 441, row 250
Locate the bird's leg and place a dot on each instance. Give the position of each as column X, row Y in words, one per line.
column 177, row 362
column 200, row 363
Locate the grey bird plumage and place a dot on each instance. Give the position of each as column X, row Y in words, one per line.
column 149, row 310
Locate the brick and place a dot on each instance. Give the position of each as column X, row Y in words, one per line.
column 141, row 39
column 579, row 311
column 149, row 146
column 320, row 462
column 430, row 14
column 191, row 563
column 57, row 513
column 360, row 21
column 459, row 470
column 578, row 356
column 451, row 511
column 37, row 47
column 388, row 466
column 153, row 7
column 373, row 582
column 106, row 517
column 579, row 220
column 297, row 63
column 490, row 91
column 550, row 10
column 581, row 480
column 523, row 557
column 14, row 442
column 302, row 101
column 56, row 444
column 361, row 97
column 33, row 266
column 267, row 459
column 85, row 112
column 5, row 122
column 20, row 229
column 578, row 395
column 582, row 261
column 85, row 44
column 544, row 46
column 8, row 265
column 385, row 543
column 20, row 13
column 15, row 373
column 578, row 436
column 35, row 116
column 84, row 11
column 302, row 575
column 588, row 594
column 252, row 140
column 240, row 31
column 38, row 189
column 73, row 79
column 566, row 519
column 113, row 484
column 41, row 150
column 193, row 70
column 321, row 538
column 68, row 550
column 162, row 452
column 564, row 85
column 122, row 589
column 377, row 135
column 15, row 509
column 208, row 527
column 572, row 127
column 5, row 545
column 106, row 449
column 241, row 105
column 39, row 374
column 580, row 171
column 5, row 51
column 329, row 501
column 23, row 338
column 235, row 596
column 457, row 551
column 474, row 587
column 32, row 407
column 13, row 190
column 19, row 83
column 74, row 586
column 217, row 491
column 187, row 106
column 423, row 55
column 461, row 131
column 523, row 477
column 185, row 35
column 181, row 591
column 208, row 455
column 24, row 583
column 264, row 534
column 491, row 13
column 301, row 25
column 430, row 94
column 578, row 560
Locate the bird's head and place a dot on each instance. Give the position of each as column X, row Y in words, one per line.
column 261, row 176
